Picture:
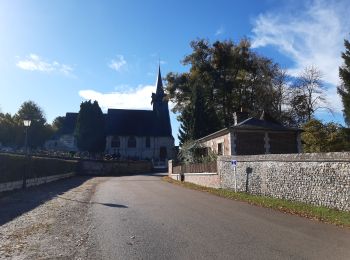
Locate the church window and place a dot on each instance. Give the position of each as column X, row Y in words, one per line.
column 132, row 142
column 115, row 143
column 148, row 142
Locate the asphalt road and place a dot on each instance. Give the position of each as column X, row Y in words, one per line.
column 142, row 217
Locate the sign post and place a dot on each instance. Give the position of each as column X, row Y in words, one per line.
column 234, row 165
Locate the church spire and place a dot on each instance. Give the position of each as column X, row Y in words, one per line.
column 159, row 84
column 161, row 109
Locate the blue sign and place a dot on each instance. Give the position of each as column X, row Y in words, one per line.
column 234, row 163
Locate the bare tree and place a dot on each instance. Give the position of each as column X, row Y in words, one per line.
column 281, row 90
column 308, row 94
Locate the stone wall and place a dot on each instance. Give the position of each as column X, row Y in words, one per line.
column 8, row 186
column 208, row 179
column 204, row 179
column 319, row 179
column 213, row 143
column 92, row 167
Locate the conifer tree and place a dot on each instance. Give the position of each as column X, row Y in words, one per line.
column 90, row 128
column 344, row 88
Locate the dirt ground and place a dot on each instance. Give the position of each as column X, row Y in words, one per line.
column 47, row 222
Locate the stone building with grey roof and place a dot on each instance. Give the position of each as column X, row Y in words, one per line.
column 252, row 136
column 131, row 134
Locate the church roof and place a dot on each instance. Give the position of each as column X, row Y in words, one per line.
column 124, row 122
column 130, row 122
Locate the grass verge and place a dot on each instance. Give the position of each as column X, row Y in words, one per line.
column 327, row 215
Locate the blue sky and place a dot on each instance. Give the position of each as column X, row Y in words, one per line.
column 60, row 53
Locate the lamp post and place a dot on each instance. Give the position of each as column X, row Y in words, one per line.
column 26, row 123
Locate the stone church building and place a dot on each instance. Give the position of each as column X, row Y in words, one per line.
column 131, row 134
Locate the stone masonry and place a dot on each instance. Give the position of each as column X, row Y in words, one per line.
column 8, row 186
column 318, row 179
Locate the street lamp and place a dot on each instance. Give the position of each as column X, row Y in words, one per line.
column 26, row 123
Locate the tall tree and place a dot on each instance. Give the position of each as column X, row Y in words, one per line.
column 308, row 95
column 344, row 88
column 7, row 130
column 90, row 128
column 58, row 123
column 330, row 137
column 223, row 78
column 39, row 131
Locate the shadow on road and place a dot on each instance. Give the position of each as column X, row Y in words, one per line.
column 16, row 203
column 112, row 205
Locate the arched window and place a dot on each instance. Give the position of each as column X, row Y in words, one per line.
column 115, row 143
column 132, row 142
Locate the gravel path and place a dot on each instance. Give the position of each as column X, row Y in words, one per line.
column 47, row 222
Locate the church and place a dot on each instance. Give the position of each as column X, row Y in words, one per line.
column 130, row 134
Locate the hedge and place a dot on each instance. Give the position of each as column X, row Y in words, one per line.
column 13, row 167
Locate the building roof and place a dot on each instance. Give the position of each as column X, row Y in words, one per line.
column 124, row 122
column 135, row 122
column 69, row 123
column 254, row 123
column 130, row 122
column 159, row 84
column 251, row 124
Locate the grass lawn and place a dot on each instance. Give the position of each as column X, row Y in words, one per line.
column 327, row 215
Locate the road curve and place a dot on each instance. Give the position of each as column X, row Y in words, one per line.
column 143, row 217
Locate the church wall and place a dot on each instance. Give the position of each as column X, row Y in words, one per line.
column 141, row 151
column 167, row 142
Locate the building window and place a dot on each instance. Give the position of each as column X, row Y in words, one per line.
column 148, row 142
column 220, row 148
column 132, row 142
column 115, row 143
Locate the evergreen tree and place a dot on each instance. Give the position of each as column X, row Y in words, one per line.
column 38, row 132
column 186, row 125
column 344, row 88
column 90, row 128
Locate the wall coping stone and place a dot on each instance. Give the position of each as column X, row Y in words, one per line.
column 302, row 157
column 196, row 174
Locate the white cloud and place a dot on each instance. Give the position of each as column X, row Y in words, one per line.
column 312, row 36
column 34, row 62
column 117, row 63
column 139, row 98
column 220, row 31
